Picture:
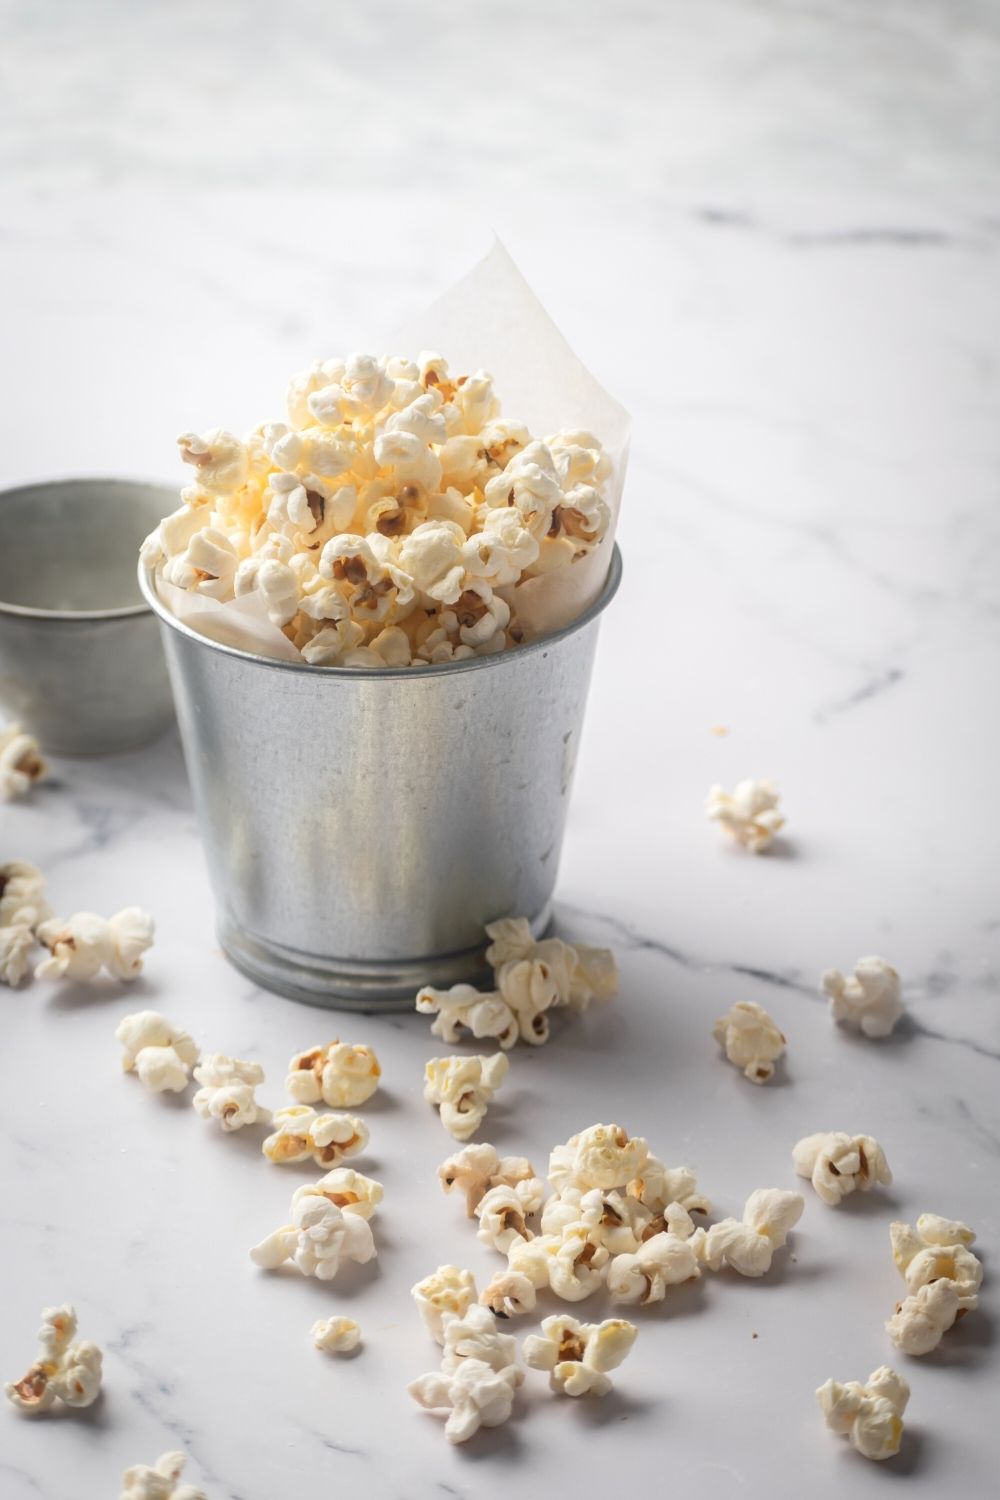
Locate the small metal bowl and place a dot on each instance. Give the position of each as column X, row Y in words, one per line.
column 81, row 664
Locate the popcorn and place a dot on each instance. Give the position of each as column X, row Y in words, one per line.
column 837, row 1163
column 21, row 762
column 341, row 1075
column 869, row 1000
column 301, row 1133
column 613, row 1219
column 503, row 1210
column 22, row 895
column 161, row 1482
column 572, row 1263
column 474, row 1395
column 750, row 815
column 747, row 1245
column 870, row 1415
column 580, row 973
column 464, row 1008
column 476, row 1168
column 603, row 1156
column 579, row 1355
column 336, row 1335
column 463, row 1087
column 161, row 1055
column 227, row 1092
column 318, row 1240
column 509, row 1295
column 63, row 1370
column 80, row 947
column 643, row 1277
column 942, row 1276
column 16, row 943
column 658, row 1185
column 448, row 1292
column 351, row 1191
column 415, row 497
column 478, row 1378
column 750, row 1039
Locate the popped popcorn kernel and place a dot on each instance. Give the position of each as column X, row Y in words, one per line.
column 162, row 1481
column 477, row 1167
column 463, row 1008
column 749, row 814
column 21, row 763
column 16, row 944
column 750, row 1040
column 478, row 1377
column 22, row 895
column 227, row 1090
column 603, row 1156
column 657, row 1185
column 342, row 1075
column 447, row 1292
column 84, row 944
column 319, row 1239
column 63, row 1370
column 302, row 1133
column 161, row 1055
column 351, row 1191
column 837, row 1164
column 642, row 1277
column 870, row 1000
column 336, row 1335
column 509, row 1295
column 942, row 1277
column 503, row 1212
column 578, row 1355
column 869, row 1415
column 462, row 1088
column 747, row 1245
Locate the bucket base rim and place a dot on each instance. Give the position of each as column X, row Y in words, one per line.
column 370, row 986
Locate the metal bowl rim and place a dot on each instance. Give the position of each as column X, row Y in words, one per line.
column 612, row 579
column 79, row 616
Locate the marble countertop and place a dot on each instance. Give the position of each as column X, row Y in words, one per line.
column 772, row 232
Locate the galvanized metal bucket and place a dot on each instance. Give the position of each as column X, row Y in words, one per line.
column 362, row 826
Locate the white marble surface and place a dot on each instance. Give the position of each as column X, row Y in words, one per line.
column 772, row 231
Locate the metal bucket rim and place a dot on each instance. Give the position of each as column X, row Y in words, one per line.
column 78, row 616
column 612, row 581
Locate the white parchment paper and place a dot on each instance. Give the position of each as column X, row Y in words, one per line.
column 489, row 320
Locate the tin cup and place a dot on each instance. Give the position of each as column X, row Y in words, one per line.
column 80, row 663
column 362, row 826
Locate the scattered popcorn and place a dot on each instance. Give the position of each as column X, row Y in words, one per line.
column 750, row 815
column 603, row 1156
column 318, row 1240
column 579, row 1355
column 448, row 1292
column 336, row 1335
column 509, row 1295
column 531, row 978
column 476, row 1168
column 837, row 1163
column 614, row 1220
column 750, row 1040
column 16, row 944
column 747, row 1245
column 161, row 1055
column 870, row 1415
column 22, row 895
column 80, row 947
column 377, row 523
column 341, row 1075
column 21, row 762
column 463, row 1087
column 664, row 1260
column 351, row 1191
column 658, row 1185
column 942, row 1276
column 302, row 1133
column 478, row 1378
column 503, row 1210
column 161, row 1482
column 227, row 1092
column 869, row 1000
column 63, row 1370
